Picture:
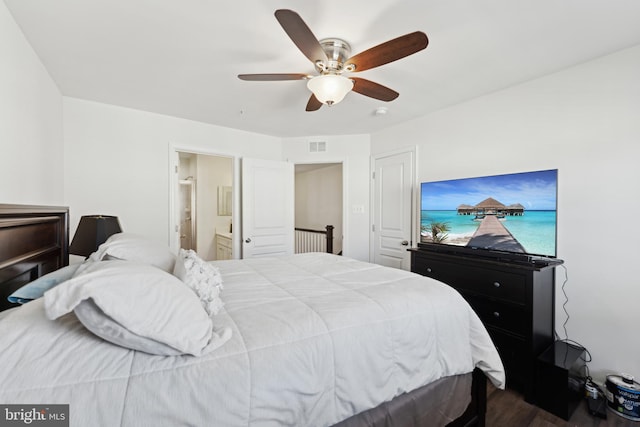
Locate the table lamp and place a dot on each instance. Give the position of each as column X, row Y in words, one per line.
column 93, row 230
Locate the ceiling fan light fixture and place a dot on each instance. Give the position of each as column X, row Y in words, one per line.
column 330, row 88
column 332, row 57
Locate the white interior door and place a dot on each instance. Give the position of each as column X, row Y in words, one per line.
column 393, row 183
column 267, row 208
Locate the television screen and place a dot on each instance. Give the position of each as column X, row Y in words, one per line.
column 512, row 213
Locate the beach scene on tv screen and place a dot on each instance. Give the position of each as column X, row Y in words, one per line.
column 512, row 212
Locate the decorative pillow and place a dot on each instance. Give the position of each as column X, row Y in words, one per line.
column 134, row 305
column 37, row 288
column 132, row 247
column 203, row 278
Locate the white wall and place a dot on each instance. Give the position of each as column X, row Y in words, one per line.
column 117, row 164
column 31, row 141
column 353, row 152
column 584, row 121
column 117, row 161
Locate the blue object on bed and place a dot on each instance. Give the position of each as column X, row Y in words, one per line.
column 37, row 288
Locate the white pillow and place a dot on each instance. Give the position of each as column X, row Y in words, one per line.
column 132, row 247
column 95, row 320
column 203, row 278
column 147, row 305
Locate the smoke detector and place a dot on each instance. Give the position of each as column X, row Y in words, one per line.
column 381, row 111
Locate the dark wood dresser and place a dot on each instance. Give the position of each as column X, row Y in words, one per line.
column 514, row 299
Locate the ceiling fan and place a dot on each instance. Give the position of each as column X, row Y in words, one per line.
column 331, row 58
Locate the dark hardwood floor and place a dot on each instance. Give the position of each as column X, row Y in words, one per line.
column 507, row 408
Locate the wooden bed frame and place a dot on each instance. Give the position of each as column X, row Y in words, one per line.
column 34, row 241
column 477, row 409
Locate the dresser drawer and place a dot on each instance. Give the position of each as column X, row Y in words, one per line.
column 498, row 314
column 484, row 281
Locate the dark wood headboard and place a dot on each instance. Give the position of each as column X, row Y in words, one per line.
column 34, row 240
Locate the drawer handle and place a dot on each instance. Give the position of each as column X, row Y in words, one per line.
column 496, row 314
column 428, row 269
column 496, row 284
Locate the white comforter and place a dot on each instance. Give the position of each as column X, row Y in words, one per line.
column 316, row 339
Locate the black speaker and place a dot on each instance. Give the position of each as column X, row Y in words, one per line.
column 560, row 379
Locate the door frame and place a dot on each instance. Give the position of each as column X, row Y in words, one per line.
column 173, row 162
column 415, row 195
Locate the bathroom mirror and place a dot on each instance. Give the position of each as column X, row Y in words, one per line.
column 224, row 200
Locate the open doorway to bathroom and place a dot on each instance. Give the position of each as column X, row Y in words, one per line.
column 318, row 200
column 203, row 204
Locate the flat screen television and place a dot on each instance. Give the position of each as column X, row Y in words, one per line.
column 511, row 214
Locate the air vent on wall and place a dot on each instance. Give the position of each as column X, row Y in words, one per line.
column 317, row 146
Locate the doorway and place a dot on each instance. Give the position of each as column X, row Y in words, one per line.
column 187, row 213
column 319, row 199
column 203, row 204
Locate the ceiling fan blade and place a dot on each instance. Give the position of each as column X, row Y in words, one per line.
column 373, row 90
column 301, row 35
column 272, row 77
column 389, row 51
column 313, row 104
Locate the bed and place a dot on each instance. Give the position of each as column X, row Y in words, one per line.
column 311, row 339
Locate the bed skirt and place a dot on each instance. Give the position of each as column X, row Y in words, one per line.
column 452, row 401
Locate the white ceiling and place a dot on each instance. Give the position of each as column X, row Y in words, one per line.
column 181, row 58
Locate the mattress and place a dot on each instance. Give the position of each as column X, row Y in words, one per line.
column 316, row 339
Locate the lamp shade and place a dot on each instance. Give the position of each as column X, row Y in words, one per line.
column 93, row 230
column 330, row 88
